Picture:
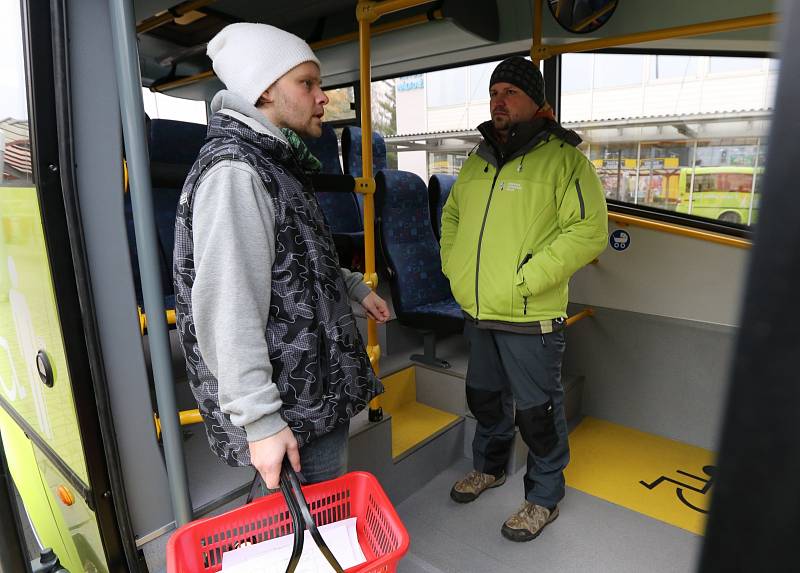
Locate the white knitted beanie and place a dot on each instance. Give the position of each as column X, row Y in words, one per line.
column 249, row 58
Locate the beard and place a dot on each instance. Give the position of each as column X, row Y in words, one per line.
column 295, row 117
column 501, row 123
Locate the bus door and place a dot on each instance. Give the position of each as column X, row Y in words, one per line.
column 40, row 422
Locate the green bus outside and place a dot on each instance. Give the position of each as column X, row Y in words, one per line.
column 727, row 193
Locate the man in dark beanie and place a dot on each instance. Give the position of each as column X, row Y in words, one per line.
column 525, row 213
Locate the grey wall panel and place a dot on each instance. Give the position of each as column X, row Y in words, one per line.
column 441, row 389
column 667, row 275
column 98, row 155
column 658, row 375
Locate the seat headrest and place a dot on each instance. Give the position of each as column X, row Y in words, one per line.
column 173, row 147
column 438, row 190
column 326, row 149
column 440, row 184
column 397, row 189
column 351, row 151
column 408, row 241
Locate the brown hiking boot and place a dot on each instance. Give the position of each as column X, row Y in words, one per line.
column 473, row 484
column 528, row 522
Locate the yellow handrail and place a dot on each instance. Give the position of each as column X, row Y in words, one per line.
column 680, row 230
column 542, row 52
column 367, row 180
column 367, row 12
column 586, row 312
column 186, row 417
column 537, row 30
column 377, row 30
column 188, row 80
column 169, row 313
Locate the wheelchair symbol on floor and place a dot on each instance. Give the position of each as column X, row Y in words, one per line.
column 708, row 470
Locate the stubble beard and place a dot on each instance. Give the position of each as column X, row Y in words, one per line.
column 501, row 125
column 296, row 119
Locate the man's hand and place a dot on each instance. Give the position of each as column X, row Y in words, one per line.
column 267, row 455
column 376, row 307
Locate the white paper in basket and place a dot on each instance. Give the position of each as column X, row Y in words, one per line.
column 273, row 555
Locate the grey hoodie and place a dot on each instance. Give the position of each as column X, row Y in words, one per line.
column 234, row 229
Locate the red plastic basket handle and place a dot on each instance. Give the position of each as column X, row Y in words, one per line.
column 302, row 518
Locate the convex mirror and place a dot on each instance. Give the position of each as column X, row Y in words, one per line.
column 581, row 16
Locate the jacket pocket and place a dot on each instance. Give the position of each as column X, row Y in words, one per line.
column 528, row 256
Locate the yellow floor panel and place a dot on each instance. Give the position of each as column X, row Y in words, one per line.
column 401, row 389
column 413, row 423
column 611, row 462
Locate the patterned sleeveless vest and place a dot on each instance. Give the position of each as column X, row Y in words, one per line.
column 320, row 366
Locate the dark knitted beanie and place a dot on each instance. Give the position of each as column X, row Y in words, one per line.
column 522, row 73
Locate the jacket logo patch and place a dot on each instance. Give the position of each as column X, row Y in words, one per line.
column 510, row 186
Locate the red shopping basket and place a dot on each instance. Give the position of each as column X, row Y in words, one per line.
column 197, row 547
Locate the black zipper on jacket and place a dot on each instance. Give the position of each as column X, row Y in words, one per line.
column 480, row 241
column 580, row 198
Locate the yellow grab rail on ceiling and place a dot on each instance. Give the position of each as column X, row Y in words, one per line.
column 541, row 51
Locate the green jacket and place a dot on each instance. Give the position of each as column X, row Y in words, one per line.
column 513, row 235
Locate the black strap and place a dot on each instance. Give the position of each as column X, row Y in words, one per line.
column 254, row 487
column 302, row 518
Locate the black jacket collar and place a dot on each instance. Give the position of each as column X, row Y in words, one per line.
column 522, row 137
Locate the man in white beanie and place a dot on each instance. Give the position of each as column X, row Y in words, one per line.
column 272, row 351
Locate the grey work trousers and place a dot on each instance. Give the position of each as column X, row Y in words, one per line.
column 507, row 368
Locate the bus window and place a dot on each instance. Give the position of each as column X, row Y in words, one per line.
column 685, row 137
column 384, row 114
column 340, row 105
column 436, row 114
column 162, row 106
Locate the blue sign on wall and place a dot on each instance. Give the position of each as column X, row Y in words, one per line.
column 410, row 83
column 620, row 240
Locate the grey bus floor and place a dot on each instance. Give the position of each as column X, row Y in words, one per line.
column 590, row 534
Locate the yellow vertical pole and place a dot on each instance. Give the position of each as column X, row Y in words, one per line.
column 370, row 277
column 537, row 30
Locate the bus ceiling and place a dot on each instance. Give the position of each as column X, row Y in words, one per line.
column 173, row 37
column 172, row 40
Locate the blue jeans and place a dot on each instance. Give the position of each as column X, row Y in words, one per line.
column 508, row 369
column 321, row 460
column 325, row 458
